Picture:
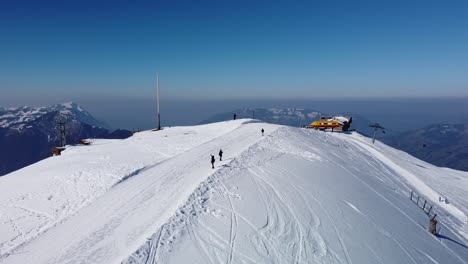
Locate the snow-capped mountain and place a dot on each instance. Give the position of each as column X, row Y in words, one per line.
column 27, row 134
column 22, row 118
column 293, row 195
column 444, row 145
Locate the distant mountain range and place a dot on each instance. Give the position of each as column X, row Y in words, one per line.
column 440, row 144
column 296, row 117
column 290, row 116
column 444, row 145
column 27, row 134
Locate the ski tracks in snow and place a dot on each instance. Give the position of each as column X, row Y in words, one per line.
column 232, row 232
column 308, row 244
column 291, row 231
column 275, row 228
column 289, row 225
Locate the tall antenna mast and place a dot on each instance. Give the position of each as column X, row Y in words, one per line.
column 157, row 99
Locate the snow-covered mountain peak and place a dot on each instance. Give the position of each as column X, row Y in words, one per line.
column 71, row 105
column 19, row 118
column 70, row 108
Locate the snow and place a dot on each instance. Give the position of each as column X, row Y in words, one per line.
column 414, row 181
column 341, row 119
column 59, row 186
column 291, row 196
column 288, row 112
column 68, row 105
column 431, row 181
column 279, row 206
column 7, row 116
column 16, row 118
column 313, row 114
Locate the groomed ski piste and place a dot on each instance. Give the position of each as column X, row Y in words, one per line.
column 294, row 195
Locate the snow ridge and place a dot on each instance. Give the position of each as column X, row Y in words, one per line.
column 291, row 196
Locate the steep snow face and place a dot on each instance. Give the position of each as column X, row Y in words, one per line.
column 291, row 196
column 445, row 188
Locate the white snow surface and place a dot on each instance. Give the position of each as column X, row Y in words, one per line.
column 340, row 119
column 291, row 196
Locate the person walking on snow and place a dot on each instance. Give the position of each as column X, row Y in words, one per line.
column 212, row 161
column 220, row 155
column 263, row 131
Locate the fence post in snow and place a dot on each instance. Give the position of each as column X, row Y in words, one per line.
column 429, row 212
column 424, row 206
column 411, row 197
column 417, row 202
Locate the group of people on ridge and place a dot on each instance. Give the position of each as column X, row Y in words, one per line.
column 221, row 154
column 213, row 158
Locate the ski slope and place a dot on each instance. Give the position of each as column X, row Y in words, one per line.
column 291, row 196
column 38, row 197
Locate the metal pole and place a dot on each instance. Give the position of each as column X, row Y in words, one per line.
column 375, row 132
column 157, row 95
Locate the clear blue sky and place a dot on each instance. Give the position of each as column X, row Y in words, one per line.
column 226, row 49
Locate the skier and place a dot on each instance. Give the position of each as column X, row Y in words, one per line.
column 212, row 161
column 263, row 131
column 220, row 155
column 235, row 116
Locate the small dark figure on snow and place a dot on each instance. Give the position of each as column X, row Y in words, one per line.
column 235, row 116
column 220, row 155
column 433, row 226
column 263, row 131
column 212, row 161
